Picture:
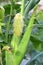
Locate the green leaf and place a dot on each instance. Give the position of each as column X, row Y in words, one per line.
column 2, row 13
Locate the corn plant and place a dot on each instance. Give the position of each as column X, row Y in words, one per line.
column 15, row 34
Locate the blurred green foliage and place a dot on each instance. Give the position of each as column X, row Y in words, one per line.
column 35, row 48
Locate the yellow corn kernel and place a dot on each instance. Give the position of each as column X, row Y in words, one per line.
column 18, row 24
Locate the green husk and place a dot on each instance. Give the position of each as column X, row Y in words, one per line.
column 24, row 43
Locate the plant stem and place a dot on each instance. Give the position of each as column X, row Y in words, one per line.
column 22, row 7
column 0, row 56
column 8, row 25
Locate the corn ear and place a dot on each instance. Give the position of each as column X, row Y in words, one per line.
column 25, row 40
column 18, row 24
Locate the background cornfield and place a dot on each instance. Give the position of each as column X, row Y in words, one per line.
column 21, row 32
